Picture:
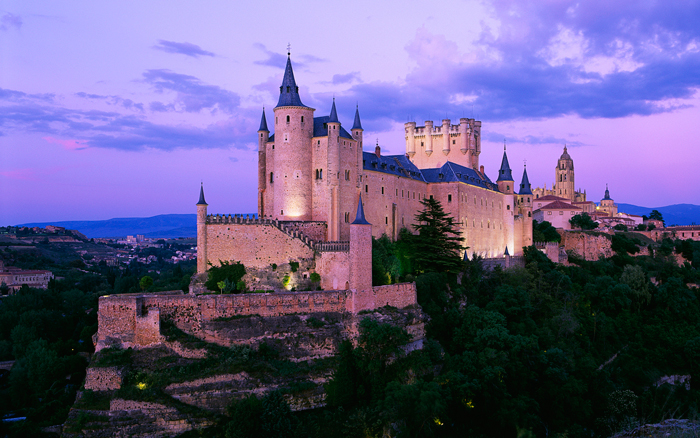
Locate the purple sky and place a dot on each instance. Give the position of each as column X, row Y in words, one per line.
column 114, row 109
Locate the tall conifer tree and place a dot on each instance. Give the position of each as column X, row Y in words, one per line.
column 438, row 244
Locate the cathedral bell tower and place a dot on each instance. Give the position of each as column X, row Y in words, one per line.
column 564, row 185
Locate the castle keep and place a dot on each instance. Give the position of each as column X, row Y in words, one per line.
column 311, row 175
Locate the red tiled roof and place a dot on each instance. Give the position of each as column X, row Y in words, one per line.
column 559, row 205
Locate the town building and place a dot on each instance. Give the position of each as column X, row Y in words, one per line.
column 15, row 278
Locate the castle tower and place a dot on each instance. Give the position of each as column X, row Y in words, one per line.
column 263, row 138
column 334, row 174
column 292, row 175
column 476, row 140
column 357, row 135
column 410, row 139
column 505, row 176
column 564, row 177
column 525, row 208
column 201, row 232
column 506, row 185
column 361, row 260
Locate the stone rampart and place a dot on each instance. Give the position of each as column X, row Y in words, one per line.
column 398, row 295
column 590, row 247
column 103, row 379
column 256, row 243
column 134, row 320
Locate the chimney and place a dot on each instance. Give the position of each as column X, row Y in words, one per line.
column 378, row 151
column 481, row 169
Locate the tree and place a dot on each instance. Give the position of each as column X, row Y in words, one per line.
column 544, row 232
column 656, row 215
column 438, row 244
column 583, row 221
column 233, row 272
column 145, row 282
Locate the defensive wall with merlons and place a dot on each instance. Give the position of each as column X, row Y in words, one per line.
column 133, row 320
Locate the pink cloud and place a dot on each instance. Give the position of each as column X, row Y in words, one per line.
column 22, row 174
column 69, row 145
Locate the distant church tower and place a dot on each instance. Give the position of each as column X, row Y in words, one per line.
column 564, row 185
column 525, row 208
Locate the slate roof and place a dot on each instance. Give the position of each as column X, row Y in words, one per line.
column 360, row 216
column 333, row 118
column 504, row 174
column 356, row 124
column 525, row 187
column 400, row 165
column 551, row 198
column 289, row 92
column 321, row 128
column 263, row 122
column 201, row 196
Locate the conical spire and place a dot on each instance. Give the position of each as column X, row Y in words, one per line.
column 201, row 196
column 334, row 114
column 360, row 217
column 263, row 122
column 504, row 174
column 506, row 253
column 289, row 92
column 607, row 192
column 356, row 124
column 525, row 187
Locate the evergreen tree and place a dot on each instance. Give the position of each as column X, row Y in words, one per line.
column 438, row 244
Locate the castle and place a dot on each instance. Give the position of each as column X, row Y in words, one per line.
column 312, row 172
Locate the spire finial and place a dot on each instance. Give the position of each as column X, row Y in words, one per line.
column 289, row 49
column 525, row 163
column 504, row 144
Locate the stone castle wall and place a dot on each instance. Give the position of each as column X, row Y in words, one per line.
column 590, row 247
column 103, row 379
column 334, row 269
column 255, row 245
column 134, row 320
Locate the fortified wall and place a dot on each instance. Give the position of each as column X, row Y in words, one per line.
column 133, row 320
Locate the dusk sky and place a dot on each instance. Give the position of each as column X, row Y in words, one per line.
column 120, row 109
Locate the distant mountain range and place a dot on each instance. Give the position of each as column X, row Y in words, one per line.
column 163, row 225
column 185, row 225
column 678, row 214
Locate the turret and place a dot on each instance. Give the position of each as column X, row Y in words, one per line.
column 410, row 139
column 357, row 135
column 201, row 232
column 361, row 261
column 525, row 208
column 446, row 136
column 428, row 137
column 292, row 160
column 505, row 176
column 334, row 171
column 476, row 134
column 463, row 135
column 263, row 138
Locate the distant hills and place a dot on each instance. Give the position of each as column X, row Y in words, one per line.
column 163, row 225
column 185, row 225
column 678, row 214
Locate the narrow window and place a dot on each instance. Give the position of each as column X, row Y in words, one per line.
column 287, row 116
column 382, row 190
column 302, row 119
column 366, row 188
column 272, row 177
column 397, row 193
column 449, row 198
column 386, row 220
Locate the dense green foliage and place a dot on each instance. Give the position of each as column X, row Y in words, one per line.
column 48, row 333
column 226, row 277
column 544, row 232
column 437, row 246
column 583, row 221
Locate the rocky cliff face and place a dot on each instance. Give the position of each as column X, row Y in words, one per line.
column 186, row 381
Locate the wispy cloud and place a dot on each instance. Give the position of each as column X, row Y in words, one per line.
column 187, row 49
column 545, row 60
column 9, row 20
column 191, row 94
